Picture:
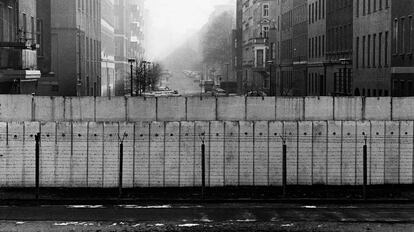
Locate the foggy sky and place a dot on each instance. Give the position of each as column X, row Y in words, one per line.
column 171, row 21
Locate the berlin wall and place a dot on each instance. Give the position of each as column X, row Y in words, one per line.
column 238, row 153
column 122, row 109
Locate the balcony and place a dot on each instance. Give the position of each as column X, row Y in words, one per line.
column 18, row 64
column 259, row 41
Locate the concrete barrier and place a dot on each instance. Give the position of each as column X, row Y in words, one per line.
column 126, row 132
column 406, row 152
column 334, row 153
column 142, row 155
column 319, row 108
column 275, row 153
column 141, row 109
column 290, row 134
column 247, row 155
column 261, row 153
column 49, row 109
column 201, row 109
column 172, row 154
column 49, row 153
column 377, row 155
column 95, row 155
column 29, row 143
column 15, row 108
column 157, row 155
column 111, row 155
column 231, row 108
column 64, row 154
column 80, row 109
column 110, row 110
column 348, row 108
column 290, row 109
column 378, row 109
column 305, row 174
column 119, row 109
column 202, row 132
column 231, row 154
column 216, row 153
column 403, row 108
column 187, row 151
column 320, row 153
column 261, row 109
column 171, row 109
column 392, row 152
column 3, row 158
column 364, row 132
column 79, row 168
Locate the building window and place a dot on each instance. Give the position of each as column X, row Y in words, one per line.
column 380, row 49
column 357, row 9
column 323, row 9
column 320, row 9
column 374, row 49
column 357, row 52
column 323, row 45
column 24, row 29
column 265, row 31
column 386, row 49
column 364, row 7
column 363, row 51
column 410, row 34
column 402, row 35
column 266, row 10
column 396, row 44
column 369, row 51
column 39, row 38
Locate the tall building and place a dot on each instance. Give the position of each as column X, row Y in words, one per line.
column 76, row 46
column 402, row 61
column 122, row 28
column 18, row 63
column 383, row 59
column 256, row 38
column 107, row 48
column 286, row 50
column 317, row 69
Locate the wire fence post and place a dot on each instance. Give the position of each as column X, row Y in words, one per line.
column 365, row 164
column 203, row 168
column 121, row 164
column 284, row 168
column 37, row 171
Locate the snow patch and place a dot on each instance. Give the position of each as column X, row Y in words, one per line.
column 85, row 206
column 145, row 207
column 188, row 225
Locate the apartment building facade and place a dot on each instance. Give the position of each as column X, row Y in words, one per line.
column 107, row 48
column 76, row 46
column 18, row 66
column 256, row 40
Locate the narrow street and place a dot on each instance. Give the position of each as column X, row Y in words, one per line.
column 223, row 217
column 184, row 85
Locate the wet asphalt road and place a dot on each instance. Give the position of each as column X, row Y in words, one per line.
column 213, row 213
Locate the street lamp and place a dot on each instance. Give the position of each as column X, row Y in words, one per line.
column 132, row 61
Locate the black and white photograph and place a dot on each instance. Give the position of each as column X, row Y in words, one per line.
column 206, row 115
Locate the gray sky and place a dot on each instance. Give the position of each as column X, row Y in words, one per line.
column 171, row 21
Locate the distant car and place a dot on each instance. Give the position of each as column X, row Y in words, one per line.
column 219, row 92
column 256, row 94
